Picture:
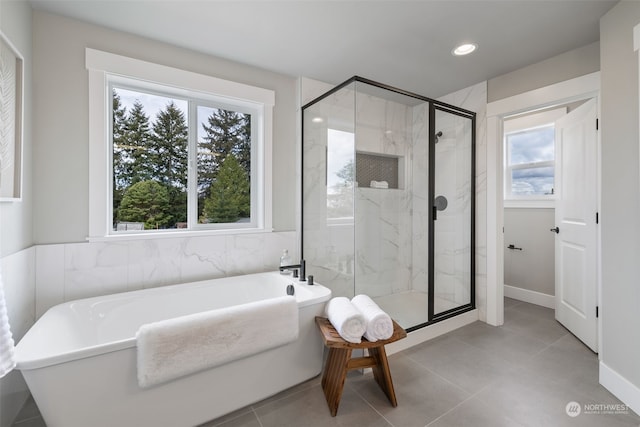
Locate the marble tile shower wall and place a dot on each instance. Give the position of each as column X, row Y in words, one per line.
column 69, row 271
column 383, row 222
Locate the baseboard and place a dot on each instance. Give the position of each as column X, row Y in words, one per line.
column 532, row 297
column 429, row 332
column 620, row 387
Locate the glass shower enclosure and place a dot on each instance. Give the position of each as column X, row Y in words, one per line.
column 388, row 187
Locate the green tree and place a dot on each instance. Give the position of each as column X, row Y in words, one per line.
column 169, row 159
column 230, row 194
column 148, row 202
column 121, row 162
column 347, row 174
column 137, row 144
column 226, row 132
column 340, row 198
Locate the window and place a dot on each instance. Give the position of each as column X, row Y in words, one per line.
column 184, row 152
column 340, row 176
column 530, row 156
column 153, row 141
column 530, row 161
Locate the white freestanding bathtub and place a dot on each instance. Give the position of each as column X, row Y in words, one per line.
column 79, row 359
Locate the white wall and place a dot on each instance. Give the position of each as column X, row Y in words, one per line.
column 533, row 267
column 61, row 135
column 620, row 308
column 574, row 63
column 16, row 217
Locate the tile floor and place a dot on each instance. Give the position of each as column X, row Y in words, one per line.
column 521, row 374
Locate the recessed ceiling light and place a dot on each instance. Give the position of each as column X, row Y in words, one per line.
column 317, row 120
column 464, row 49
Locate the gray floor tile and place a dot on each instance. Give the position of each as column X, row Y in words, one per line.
column 473, row 413
column 533, row 310
column 247, row 419
column 465, row 365
column 313, row 382
column 33, row 422
column 571, row 364
column 309, row 408
column 29, row 411
column 500, row 342
column 422, row 395
column 529, row 399
column 545, row 330
column 536, row 400
column 509, row 302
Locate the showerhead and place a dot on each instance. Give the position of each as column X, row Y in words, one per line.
column 438, row 135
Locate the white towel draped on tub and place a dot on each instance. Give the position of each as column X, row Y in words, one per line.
column 379, row 324
column 347, row 320
column 7, row 359
column 173, row 348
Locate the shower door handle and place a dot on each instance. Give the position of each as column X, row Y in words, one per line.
column 440, row 203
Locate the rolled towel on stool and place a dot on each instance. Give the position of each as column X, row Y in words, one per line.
column 346, row 318
column 379, row 323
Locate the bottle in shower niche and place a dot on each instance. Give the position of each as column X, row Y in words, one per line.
column 285, row 259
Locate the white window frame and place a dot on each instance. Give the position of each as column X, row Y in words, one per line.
column 104, row 68
column 524, row 123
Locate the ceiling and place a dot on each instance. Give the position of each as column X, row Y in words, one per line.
column 401, row 43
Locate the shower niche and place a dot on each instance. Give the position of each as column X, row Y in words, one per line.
column 388, row 201
column 375, row 170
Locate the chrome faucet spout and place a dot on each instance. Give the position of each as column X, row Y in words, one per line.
column 297, row 267
column 303, row 270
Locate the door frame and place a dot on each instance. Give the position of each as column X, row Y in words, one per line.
column 576, row 89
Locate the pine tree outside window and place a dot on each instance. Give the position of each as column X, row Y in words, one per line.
column 155, row 137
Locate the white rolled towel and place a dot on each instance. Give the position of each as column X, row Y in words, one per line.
column 379, row 323
column 348, row 320
column 379, row 184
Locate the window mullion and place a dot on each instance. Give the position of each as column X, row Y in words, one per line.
column 192, row 178
column 110, row 147
column 533, row 165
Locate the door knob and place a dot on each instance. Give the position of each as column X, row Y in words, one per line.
column 556, row 230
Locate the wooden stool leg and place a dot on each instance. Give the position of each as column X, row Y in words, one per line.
column 382, row 374
column 335, row 373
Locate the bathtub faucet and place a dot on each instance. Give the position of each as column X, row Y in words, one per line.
column 295, row 268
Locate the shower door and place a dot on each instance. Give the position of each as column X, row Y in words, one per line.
column 452, row 200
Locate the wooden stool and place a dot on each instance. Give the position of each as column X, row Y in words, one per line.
column 340, row 362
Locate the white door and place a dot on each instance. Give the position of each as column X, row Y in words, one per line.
column 576, row 210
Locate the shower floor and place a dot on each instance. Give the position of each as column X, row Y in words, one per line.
column 410, row 308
